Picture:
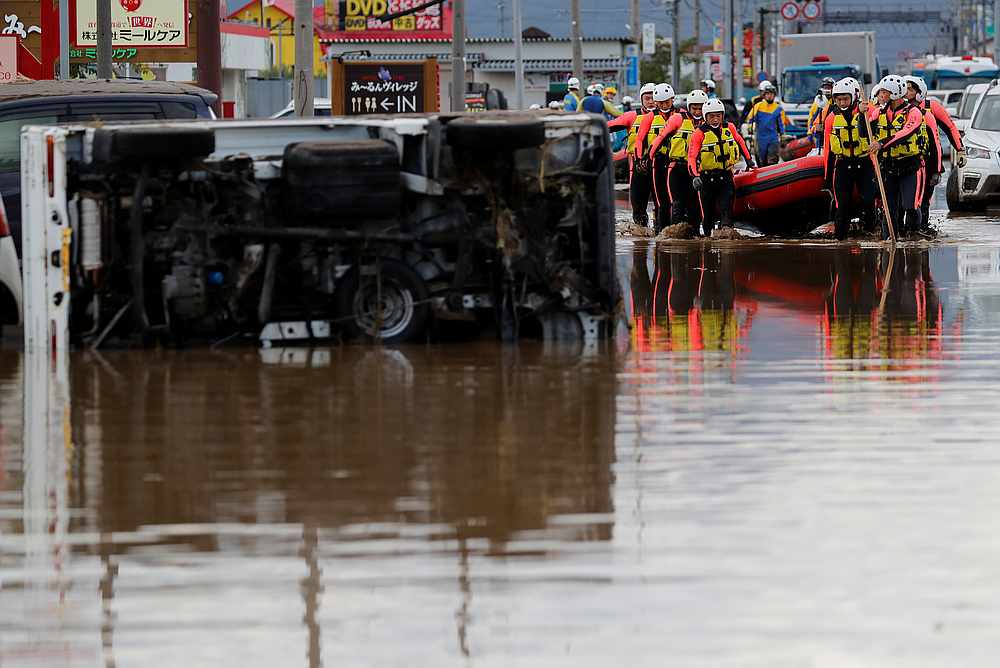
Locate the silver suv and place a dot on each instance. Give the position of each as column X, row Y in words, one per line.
column 974, row 181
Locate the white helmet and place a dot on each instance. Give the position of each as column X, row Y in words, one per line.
column 555, row 104
column 859, row 91
column 663, row 92
column 766, row 86
column 599, row 87
column 535, row 106
column 762, row 86
column 573, row 83
column 846, row 87
column 647, row 88
column 895, row 88
column 875, row 89
column 713, row 106
column 627, row 99
column 591, row 89
column 697, row 97
column 920, row 85
column 708, row 83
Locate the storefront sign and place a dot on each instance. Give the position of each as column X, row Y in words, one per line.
column 385, row 87
column 8, row 58
column 162, row 24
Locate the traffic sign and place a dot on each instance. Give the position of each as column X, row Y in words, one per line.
column 811, row 11
column 790, row 11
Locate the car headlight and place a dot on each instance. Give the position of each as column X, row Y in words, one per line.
column 973, row 151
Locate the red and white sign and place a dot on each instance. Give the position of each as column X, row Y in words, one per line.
column 811, row 11
column 790, row 11
column 8, row 58
column 134, row 23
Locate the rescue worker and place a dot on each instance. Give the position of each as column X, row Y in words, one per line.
column 937, row 117
column 609, row 94
column 714, row 150
column 594, row 102
column 900, row 142
column 627, row 103
column 754, row 100
column 847, row 165
column 677, row 136
column 650, row 128
column 933, row 157
column 820, row 109
column 571, row 101
column 708, row 87
column 640, row 167
column 769, row 121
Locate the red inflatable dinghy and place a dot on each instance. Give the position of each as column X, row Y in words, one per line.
column 777, row 186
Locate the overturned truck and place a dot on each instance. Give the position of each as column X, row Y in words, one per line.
column 390, row 228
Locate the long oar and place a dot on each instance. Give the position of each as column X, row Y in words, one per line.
column 881, row 184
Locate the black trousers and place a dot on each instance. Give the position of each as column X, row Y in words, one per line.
column 661, row 191
column 683, row 202
column 716, row 197
column 904, row 190
column 848, row 174
column 925, row 204
column 640, row 187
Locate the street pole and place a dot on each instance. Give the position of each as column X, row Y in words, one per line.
column 996, row 31
column 636, row 19
column 519, row 56
column 574, row 8
column 103, row 40
column 675, row 41
column 64, row 40
column 762, row 36
column 302, row 86
column 697, row 27
column 737, row 24
column 726, row 65
column 209, row 50
column 458, row 55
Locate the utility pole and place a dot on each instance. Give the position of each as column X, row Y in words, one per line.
column 636, row 19
column 210, row 50
column 726, row 66
column 103, row 39
column 675, row 41
column 574, row 9
column 458, row 55
column 996, row 31
column 519, row 56
column 64, row 40
column 697, row 27
column 302, row 86
column 737, row 37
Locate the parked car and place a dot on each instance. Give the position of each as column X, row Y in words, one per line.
column 10, row 276
column 967, row 104
column 949, row 98
column 973, row 185
column 81, row 100
column 321, row 107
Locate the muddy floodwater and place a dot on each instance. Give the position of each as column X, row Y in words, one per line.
column 791, row 459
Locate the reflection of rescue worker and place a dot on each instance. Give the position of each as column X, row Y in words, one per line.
column 675, row 138
column 769, row 121
column 571, row 102
column 901, row 141
column 640, row 167
column 820, row 109
column 937, row 118
column 848, row 165
column 652, row 125
column 714, row 150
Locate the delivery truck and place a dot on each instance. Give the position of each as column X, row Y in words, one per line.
column 805, row 60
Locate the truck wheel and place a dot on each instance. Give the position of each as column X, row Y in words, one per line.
column 492, row 134
column 397, row 311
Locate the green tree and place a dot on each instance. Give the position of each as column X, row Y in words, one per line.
column 657, row 68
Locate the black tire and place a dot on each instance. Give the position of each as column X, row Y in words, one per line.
column 150, row 144
column 951, row 196
column 495, row 133
column 406, row 309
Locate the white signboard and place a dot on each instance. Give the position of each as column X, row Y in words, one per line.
column 150, row 23
column 8, row 58
column 649, row 38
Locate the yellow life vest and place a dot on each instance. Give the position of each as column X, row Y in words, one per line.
column 915, row 144
column 718, row 150
column 659, row 120
column 845, row 139
column 633, row 131
column 679, row 140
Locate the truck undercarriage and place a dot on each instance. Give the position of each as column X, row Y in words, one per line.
column 379, row 228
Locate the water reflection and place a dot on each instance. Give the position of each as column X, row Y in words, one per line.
column 858, row 303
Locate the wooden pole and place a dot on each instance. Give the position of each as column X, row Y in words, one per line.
column 302, row 86
column 878, row 179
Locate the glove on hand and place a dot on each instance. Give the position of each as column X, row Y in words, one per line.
column 696, row 183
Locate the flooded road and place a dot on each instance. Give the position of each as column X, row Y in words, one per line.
column 790, row 460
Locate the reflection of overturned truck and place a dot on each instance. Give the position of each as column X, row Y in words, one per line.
column 383, row 228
